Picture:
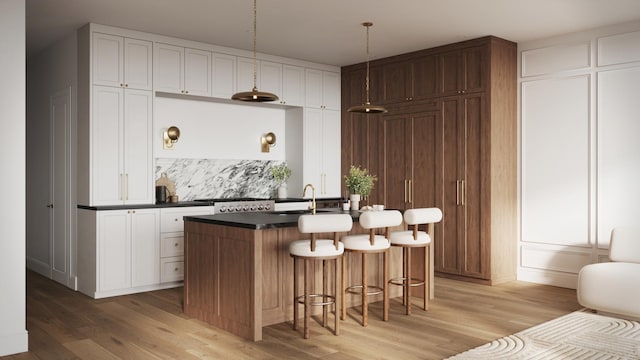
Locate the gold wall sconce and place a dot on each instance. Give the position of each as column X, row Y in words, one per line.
column 170, row 137
column 267, row 141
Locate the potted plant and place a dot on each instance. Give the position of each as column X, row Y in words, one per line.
column 281, row 174
column 360, row 183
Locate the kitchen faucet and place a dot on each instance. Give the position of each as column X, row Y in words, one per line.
column 312, row 206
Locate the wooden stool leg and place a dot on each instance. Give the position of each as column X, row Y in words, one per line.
column 295, row 295
column 427, row 276
column 385, row 286
column 364, row 290
column 336, row 304
column 343, row 290
column 307, row 304
column 407, row 284
column 324, row 292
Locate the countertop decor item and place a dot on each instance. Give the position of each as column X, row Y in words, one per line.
column 281, row 174
column 360, row 183
column 367, row 108
column 254, row 95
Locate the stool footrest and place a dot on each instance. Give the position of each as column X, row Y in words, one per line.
column 357, row 289
column 330, row 299
column 400, row 281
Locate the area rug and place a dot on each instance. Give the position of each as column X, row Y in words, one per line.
column 578, row 335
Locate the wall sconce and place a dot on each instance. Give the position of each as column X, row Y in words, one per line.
column 171, row 136
column 267, row 140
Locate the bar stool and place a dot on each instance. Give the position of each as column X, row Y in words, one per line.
column 318, row 249
column 411, row 239
column 370, row 244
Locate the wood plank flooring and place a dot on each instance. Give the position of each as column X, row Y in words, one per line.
column 65, row 324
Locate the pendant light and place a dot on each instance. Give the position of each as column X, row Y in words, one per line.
column 254, row 95
column 367, row 108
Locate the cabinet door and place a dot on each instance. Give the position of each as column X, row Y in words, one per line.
column 271, row 78
column 313, row 88
column 292, row 85
column 145, row 247
column 106, row 60
column 331, row 90
column 137, row 147
column 395, row 77
column 197, row 72
column 245, row 74
column 223, row 84
column 451, row 63
column 106, row 146
column 312, row 147
column 475, row 72
column 397, row 164
column 114, row 250
column 168, row 68
column 138, row 57
column 425, row 76
column 426, row 155
column 330, row 154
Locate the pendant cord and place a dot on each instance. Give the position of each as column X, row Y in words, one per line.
column 255, row 35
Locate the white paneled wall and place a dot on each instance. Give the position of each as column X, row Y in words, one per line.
column 579, row 166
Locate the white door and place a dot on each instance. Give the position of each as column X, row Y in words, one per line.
column 168, row 69
column 107, row 177
column 244, row 76
column 223, row 84
column 114, row 249
column 60, row 123
column 271, row 78
column 331, row 90
column 197, row 72
column 292, row 85
column 312, row 148
column 331, row 171
column 145, row 247
column 106, row 54
column 137, row 147
column 313, row 88
column 138, row 55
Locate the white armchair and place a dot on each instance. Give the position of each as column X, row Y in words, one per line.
column 614, row 287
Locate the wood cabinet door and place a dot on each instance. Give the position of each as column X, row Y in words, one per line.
column 474, row 191
column 426, row 154
column 425, row 76
column 451, row 81
column 396, row 78
column 475, row 70
column 397, row 161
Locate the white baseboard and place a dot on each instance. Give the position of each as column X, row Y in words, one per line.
column 548, row 277
column 38, row 266
column 14, row 343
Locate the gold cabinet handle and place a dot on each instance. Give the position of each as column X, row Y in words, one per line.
column 457, row 192
column 127, row 183
column 120, row 189
column 405, row 190
column 462, row 193
column 410, row 197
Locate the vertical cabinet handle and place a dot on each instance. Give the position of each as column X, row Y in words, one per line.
column 462, row 193
column 410, row 197
column 127, row 189
column 120, row 189
column 405, row 190
column 457, row 192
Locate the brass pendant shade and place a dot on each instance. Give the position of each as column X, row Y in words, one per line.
column 367, row 108
column 254, row 95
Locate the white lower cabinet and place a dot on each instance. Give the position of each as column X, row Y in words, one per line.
column 172, row 240
column 128, row 249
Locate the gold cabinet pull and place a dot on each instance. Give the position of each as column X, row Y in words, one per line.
column 405, row 190
column 457, row 192
column 410, row 197
column 462, row 193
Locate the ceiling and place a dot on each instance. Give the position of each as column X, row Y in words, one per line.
column 328, row 31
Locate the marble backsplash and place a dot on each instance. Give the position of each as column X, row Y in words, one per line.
column 214, row 178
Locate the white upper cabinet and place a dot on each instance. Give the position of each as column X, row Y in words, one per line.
column 292, row 85
column 182, row 70
column 271, row 78
column 321, row 151
column 244, row 79
column 122, row 62
column 322, row 89
column 223, row 83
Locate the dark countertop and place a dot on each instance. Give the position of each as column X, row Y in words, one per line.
column 190, row 203
column 264, row 220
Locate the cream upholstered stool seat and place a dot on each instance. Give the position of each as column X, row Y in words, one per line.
column 370, row 244
column 415, row 238
column 318, row 249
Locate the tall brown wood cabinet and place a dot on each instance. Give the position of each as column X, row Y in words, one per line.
column 448, row 140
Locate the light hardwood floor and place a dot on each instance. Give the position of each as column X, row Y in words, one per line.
column 64, row 324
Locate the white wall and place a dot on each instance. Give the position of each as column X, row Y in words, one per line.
column 13, row 334
column 578, row 149
column 214, row 130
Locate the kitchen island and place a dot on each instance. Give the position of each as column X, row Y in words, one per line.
column 239, row 275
